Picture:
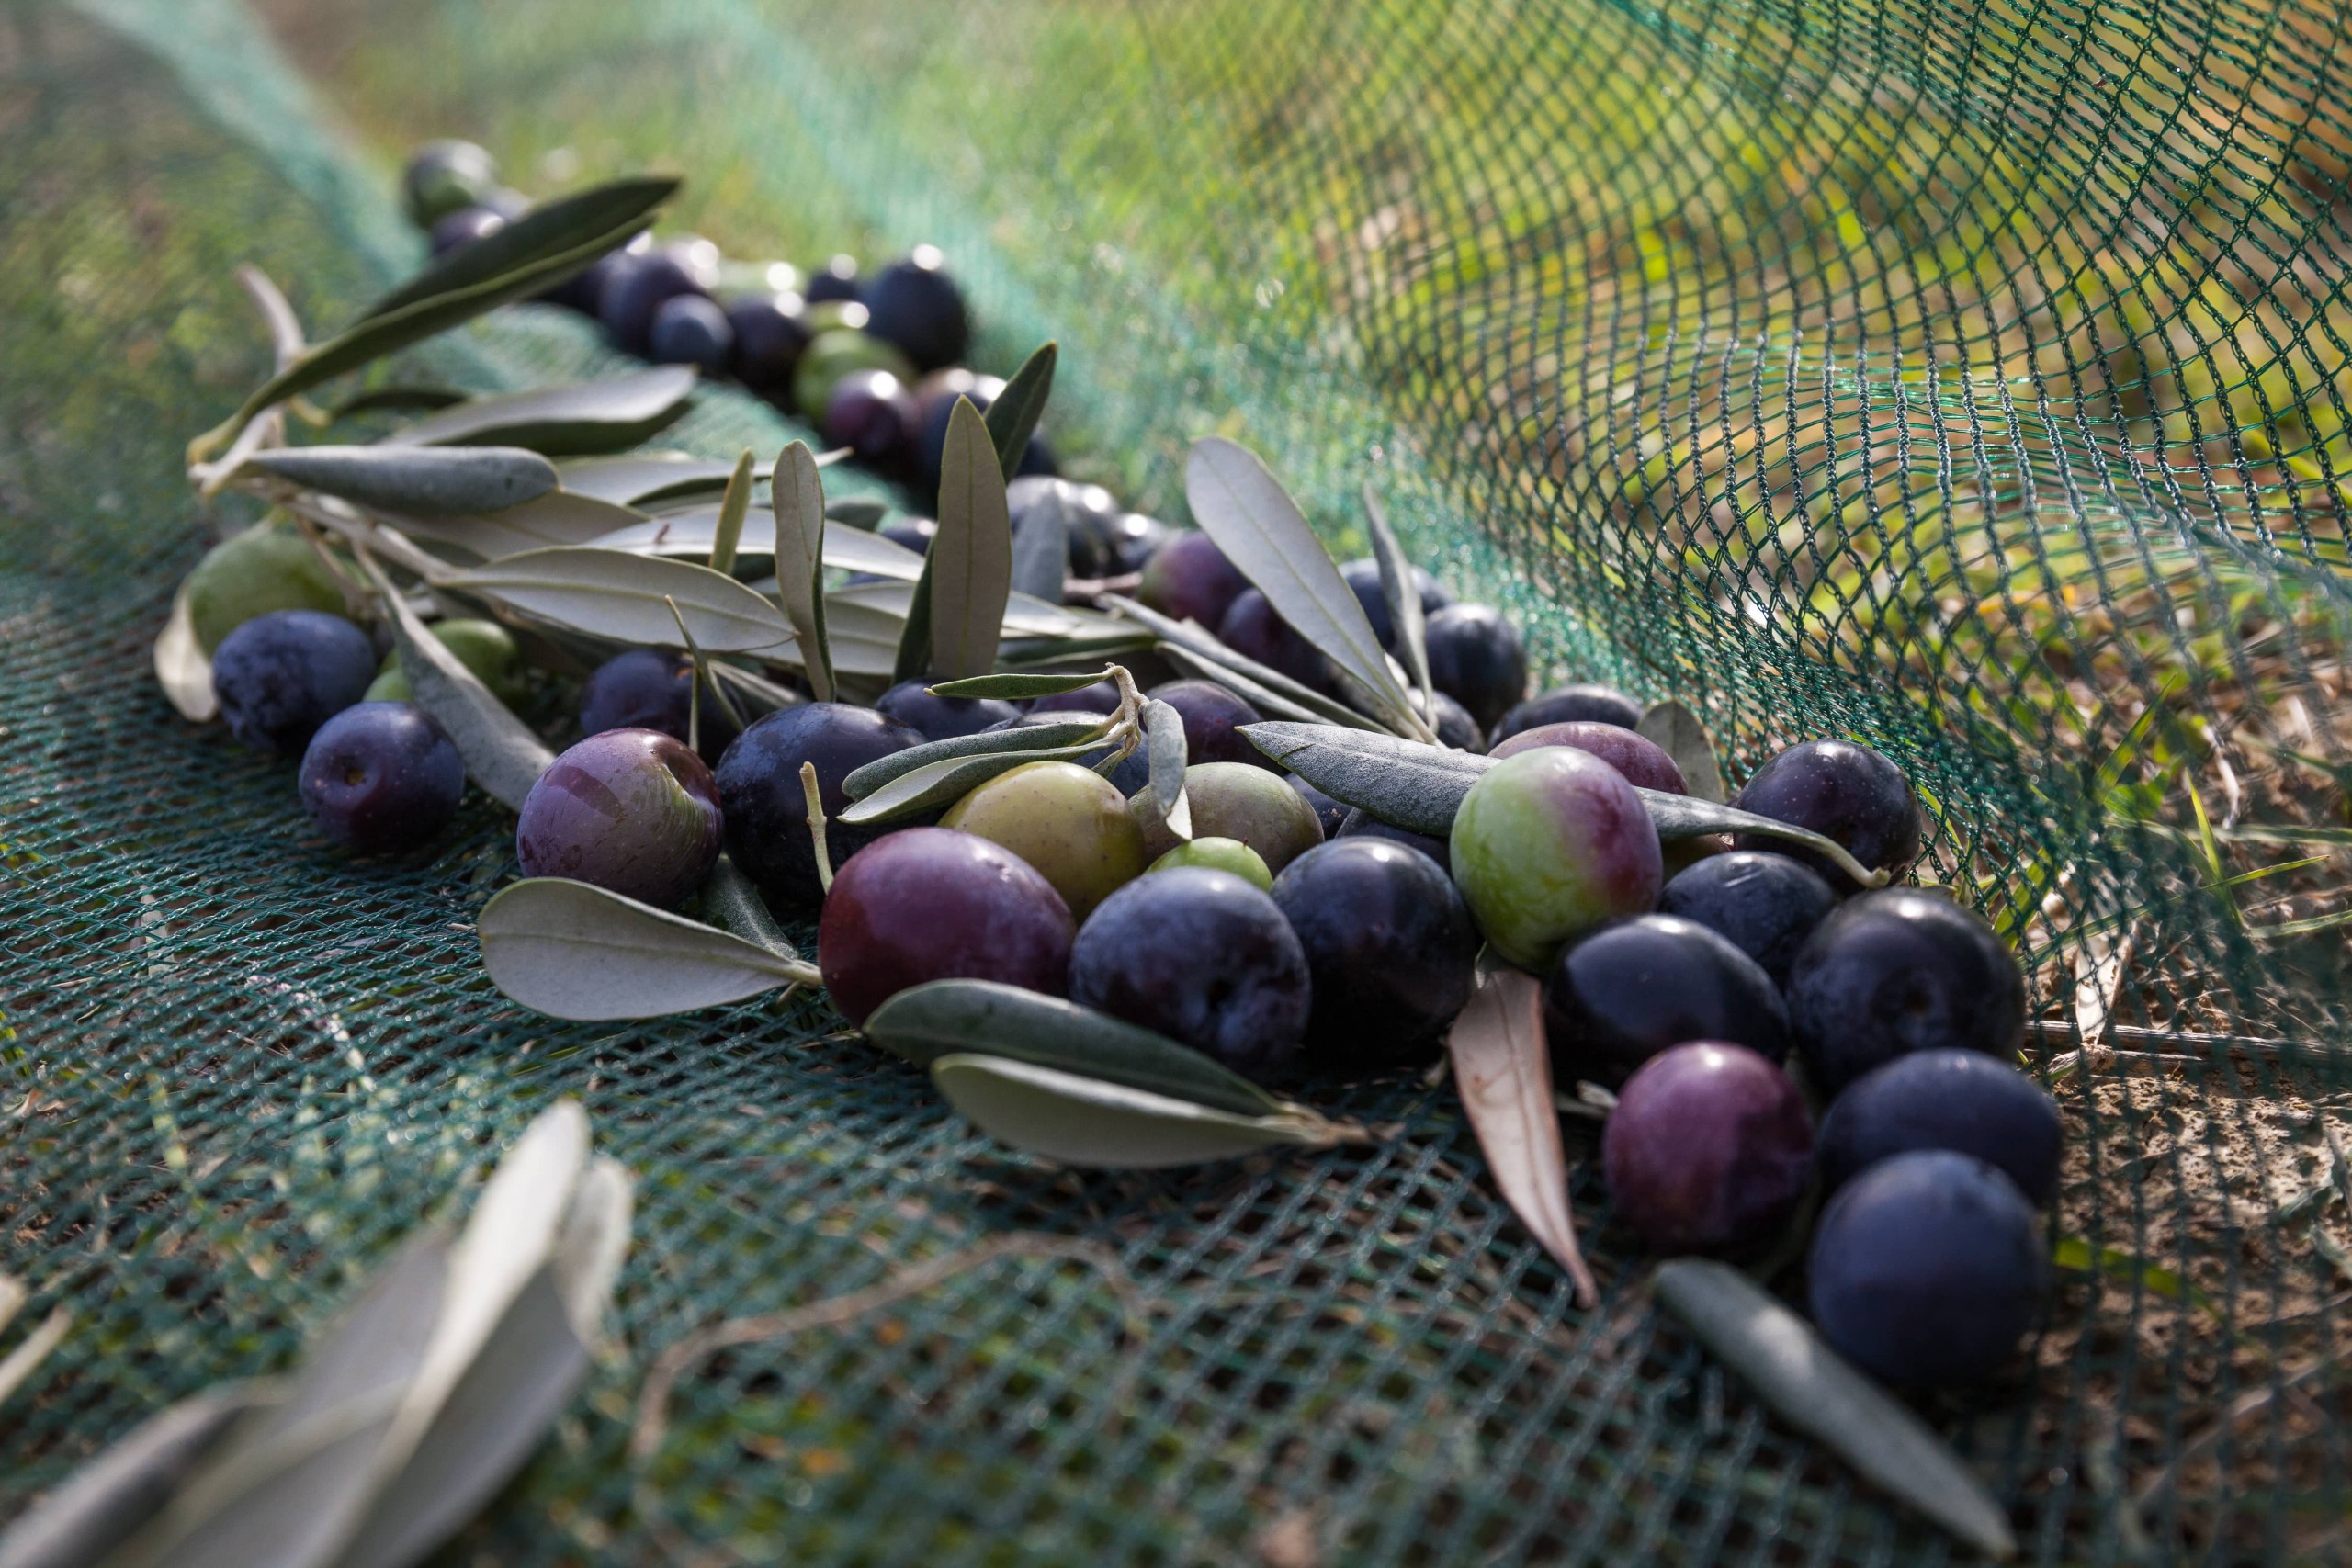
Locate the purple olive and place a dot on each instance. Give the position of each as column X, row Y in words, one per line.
column 1709, row 1150
column 934, row 904
column 631, row 811
column 1643, row 762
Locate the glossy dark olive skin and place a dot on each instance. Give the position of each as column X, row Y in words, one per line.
column 645, row 688
column 1641, row 760
column 1962, row 1100
column 1204, row 958
column 381, row 777
column 915, row 304
column 1477, row 659
column 1101, row 698
column 1092, row 515
column 1133, row 539
column 583, row 290
column 1766, row 904
column 1331, row 814
column 281, row 676
column 1391, row 951
column 933, row 904
column 1212, row 719
column 1632, row 989
column 631, row 810
column 1897, row 971
column 936, row 397
column 1455, row 728
column 1844, row 791
column 1189, row 579
column 1358, row 823
column 1708, row 1151
column 1362, row 577
column 1252, row 628
column 691, row 330
column 873, row 414
column 638, row 288
column 767, row 815
column 463, row 227
column 769, row 335
column 1927, row 1270
column 837, row 279
column 941, row 718
column 1568, row 705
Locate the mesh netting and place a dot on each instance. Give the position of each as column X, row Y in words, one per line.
column 1966, row 379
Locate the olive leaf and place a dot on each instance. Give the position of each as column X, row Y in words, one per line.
column 1166, row 749
column 861, row 512
column 950, row 779
column 582, row 420
column 1246, row 512
column 727, row 534
column 182, row 669
column 1677, row 732
column 797, row 497
column 1086, row 1121
column 625, row 598
column 1077, row 728
column 1041, row 549
column 641, row 478
column 1018, row 688
column 969, row 567
column 1043, row 653
column 733, row 898
column 1266, row 701
column 691, row 534
column 1503, row 1070
column 1203, row 649
column 755, row 694
column 500, row 752
column 1819, row 1393
column 945, row 1017
column 912, row 660
column 1023, row 616
column 1407, row 784
column 1012, row 417
column 472, row 279
column 397, row 395
column 109, row 1498
column 1403, row 594
column 553, row 520
column 415, row 481
column 572, row 950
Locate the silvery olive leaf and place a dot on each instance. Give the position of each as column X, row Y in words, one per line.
column 626, row 598
column 1079, row 729
column 109, row 1498
column 1016, row 688
column 1021, row 616
column 1503, row 1070
column 949, row 780
column 1264, row 699
column 418, row 481
column 1085, row 1121
column 970, row 568
column 799, row 536
column 734, row 901
column 641, row 479
column 398, row 397
column 1680, row 734
column 1041, row 654
column 1815, row 1390
column 734, row 505
column 1012, row 417
column 572, row 950
column 1401, row 593
column 1245, row 510
column 1041, row 549
column 500, row 752
column 591, row 1247
column 591, row 417
column 691, row 535
column 945, row 1017
column 1206, row 651
column 755, row 694
column 181, row 667
column 557, row 519
column 543, row 247
column 862, row 512
column 1166, row 749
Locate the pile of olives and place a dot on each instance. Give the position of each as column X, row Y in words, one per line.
column 875, row 361
column 1723, row 989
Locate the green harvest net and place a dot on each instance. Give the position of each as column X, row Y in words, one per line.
column 1971, row 379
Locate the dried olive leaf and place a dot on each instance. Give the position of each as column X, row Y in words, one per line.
column 106, row 1501
column 971, row 555
column 1012, row 417
column 1041, row 549
column 550, row 521
column 1246, row 512
column 861, row 512
column 501, row 753
column 625, row 598
column 1407, row 784
column 735, row 901
column 181, row 667
column 947, row 780
column 1817, row 1392
column 1397, row 587
column 1503, row 1069
column 1074, row 730
column 572, row 950
column 466, row 286
column 423, row 482
column 1207, row 649
column 1677, row 732
column 797, row 497
column 582, row 420
column 944, row 1016
column 1166, row 750
column 1085, row 1121
column 1016, row 688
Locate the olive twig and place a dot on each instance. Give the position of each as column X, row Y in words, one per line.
column 817, row 826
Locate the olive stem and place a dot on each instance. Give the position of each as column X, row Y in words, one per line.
column 817, row 826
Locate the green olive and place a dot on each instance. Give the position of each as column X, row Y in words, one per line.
column 259, row 570
column 483, row 646
column 1237, row 800
column 833, row 354
column 1066, row 821
column 1220, row 854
